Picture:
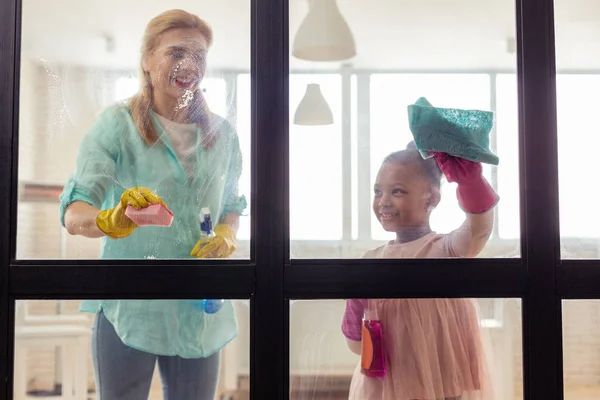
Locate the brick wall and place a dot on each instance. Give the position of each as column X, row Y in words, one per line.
column 581, row 342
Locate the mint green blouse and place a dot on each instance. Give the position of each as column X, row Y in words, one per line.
column 112, row 158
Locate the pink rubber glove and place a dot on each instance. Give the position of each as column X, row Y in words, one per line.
column 475, row 194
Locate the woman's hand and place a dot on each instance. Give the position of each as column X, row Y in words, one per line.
column 114, row 223
column 222, row 245
column 475, row 194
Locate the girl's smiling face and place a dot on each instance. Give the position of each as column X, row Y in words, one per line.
column 403, row 197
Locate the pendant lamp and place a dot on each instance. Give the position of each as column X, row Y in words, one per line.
column 324, row 35
column 313, row 108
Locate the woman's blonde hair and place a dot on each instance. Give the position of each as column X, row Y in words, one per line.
column 141, row 104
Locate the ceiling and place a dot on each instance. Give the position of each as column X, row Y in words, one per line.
column 394, row 34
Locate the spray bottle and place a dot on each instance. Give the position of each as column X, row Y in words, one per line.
column 373, row 352
column 209, row 306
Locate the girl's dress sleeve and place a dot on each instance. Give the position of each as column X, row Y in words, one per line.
column 352, row 322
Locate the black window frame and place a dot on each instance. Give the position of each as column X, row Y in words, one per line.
column 270, row 279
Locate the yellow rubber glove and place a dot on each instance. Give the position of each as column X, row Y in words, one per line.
column 114, row 223
column 222, row 245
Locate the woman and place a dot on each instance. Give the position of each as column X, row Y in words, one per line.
column 163, row 146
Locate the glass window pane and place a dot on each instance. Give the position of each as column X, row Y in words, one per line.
column 507, row 134
column 581, row 344
column 575, row 110
column 351, row 109
column 577, row 85
column 243, row 118
column 448, row 347
column 316, row 217
column 109, row 132
column 137, row 348
column 465, row 91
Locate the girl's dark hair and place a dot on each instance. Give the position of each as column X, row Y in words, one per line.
column 428, row 167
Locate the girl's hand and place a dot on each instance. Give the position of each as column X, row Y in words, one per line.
column 475, row 194
column 457, row 169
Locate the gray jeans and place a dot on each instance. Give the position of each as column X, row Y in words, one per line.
column 124, row 373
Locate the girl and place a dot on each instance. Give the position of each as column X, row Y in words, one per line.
column 433, row 346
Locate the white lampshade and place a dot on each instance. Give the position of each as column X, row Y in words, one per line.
column 313, row 109
column 324, row 35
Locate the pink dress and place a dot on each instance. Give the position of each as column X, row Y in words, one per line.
column 434, row 347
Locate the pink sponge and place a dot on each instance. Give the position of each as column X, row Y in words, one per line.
column 155, row 214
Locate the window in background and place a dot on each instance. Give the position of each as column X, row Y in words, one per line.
column 577, row 107
column 390, row 95
column 244, row 128
column 507, row 137
column 354, row 157
column 215, row 93
column 125, row 87
column 316, row 165
column 577, row 27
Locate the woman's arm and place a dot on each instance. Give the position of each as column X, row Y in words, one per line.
column 232, row 219
column 234, row 204
column 86, row 189
column 80, row 219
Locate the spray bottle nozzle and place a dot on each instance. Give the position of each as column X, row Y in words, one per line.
column 370, row 314
column 205, row 221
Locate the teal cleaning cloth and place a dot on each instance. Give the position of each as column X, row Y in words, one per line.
column 460, row 133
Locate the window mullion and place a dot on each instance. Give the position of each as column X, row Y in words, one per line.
column 346, row 154
column 8, row 76
column 494, row 149
column 363, row 156
column 540, row 235
column 269, row 367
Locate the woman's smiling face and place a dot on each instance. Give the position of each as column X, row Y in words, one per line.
column 177, row 64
